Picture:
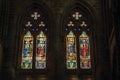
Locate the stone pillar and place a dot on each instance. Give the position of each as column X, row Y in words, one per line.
column 1, row 58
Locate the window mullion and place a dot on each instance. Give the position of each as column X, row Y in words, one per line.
column 78, row 56
column 34, row 52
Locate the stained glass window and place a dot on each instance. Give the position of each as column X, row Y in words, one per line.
column 71, row 53
column 84, row 44
column 27, row 51
column 41, row 51
column 34, row 43
column 77, row 41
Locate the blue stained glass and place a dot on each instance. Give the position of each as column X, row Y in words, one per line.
column 46, row 29
column 79, row 29
column 87, row 41
column 88, row 29
column 71, row 52
column 80, row 40
column 41, row 51
column 37, row 29
column 66, row 29
column 33, row 29
column 75, row 29
column 85, row 62
column 27, row 51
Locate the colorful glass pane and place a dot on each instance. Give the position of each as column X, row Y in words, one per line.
column 71, row 53
column 41, row 51
column 27, row 51
column 85, row 62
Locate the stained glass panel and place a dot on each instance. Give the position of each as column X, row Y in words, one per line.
column 85, row 62
column 27, row 51
column 71, row 53
column 41, row 51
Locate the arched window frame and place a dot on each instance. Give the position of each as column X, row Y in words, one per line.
column 35, row 26
column 78, row 31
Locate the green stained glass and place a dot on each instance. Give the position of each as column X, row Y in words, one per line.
column 71, row 53
column 41, row 51
column 27, row 51
column 84, row 44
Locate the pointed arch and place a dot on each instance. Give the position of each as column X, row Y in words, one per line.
column 78, row 18
column 36, row 20
column 36, row 23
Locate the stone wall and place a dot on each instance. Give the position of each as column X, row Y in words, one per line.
column 11, row 13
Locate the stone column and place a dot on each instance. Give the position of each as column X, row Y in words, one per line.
column 1, row 58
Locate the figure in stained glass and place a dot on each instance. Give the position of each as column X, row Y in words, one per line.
column 41, row 51
column 84, row 51
column 27, row 51
column 71, row 51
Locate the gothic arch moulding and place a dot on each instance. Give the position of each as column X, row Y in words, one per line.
column 79, row 19
column 34, row 19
